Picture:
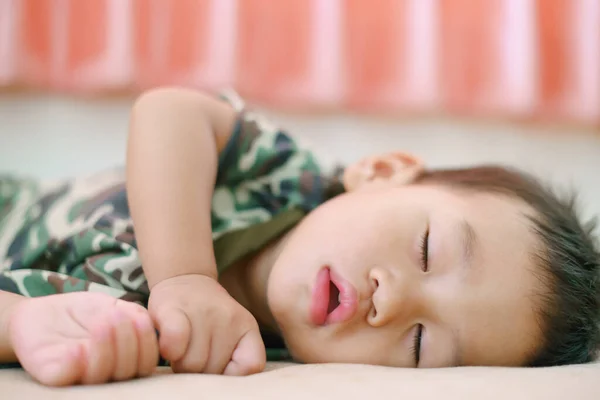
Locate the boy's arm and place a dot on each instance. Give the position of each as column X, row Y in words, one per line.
column 174, row 141
column 172, row 159
column 7, row 303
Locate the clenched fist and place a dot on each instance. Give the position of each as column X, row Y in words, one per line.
column 83, row 338
column 202, row 329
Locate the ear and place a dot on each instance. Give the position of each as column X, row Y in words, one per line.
column 390, row 169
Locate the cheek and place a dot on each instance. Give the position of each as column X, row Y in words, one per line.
column 351, row 226
column 287, row 294
column 362, row 347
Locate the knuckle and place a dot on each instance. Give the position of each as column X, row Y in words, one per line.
column 229, row 314
column 240, row 312
column 249, row 322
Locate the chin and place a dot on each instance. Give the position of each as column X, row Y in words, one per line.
column 281, row 309
column 302, row 354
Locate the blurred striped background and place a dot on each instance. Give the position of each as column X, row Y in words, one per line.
column 524, row 59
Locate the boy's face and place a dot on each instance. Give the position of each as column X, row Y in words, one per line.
column 470, row 300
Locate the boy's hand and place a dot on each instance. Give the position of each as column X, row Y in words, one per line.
column 82, row 337
column 203, row 329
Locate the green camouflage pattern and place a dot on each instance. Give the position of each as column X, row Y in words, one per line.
column 78, row 235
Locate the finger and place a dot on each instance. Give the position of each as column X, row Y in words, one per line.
column 219, row 352
column 249, row 356
column 126, row 347
column 148, row 347
column 174, row 333
column 197, row 353
column 100, row 357
column 146, row 338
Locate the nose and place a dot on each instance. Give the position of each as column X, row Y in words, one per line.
column 394, row 297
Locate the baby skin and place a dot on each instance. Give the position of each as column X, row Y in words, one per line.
column 91, row 338
column 86, row 338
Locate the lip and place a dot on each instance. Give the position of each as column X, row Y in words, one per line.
column 348, row 299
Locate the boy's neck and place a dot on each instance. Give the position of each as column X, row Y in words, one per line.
column 247, row 282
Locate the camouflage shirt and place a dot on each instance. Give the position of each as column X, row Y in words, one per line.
column 78, row 235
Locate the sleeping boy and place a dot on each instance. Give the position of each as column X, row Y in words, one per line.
column 225, row 235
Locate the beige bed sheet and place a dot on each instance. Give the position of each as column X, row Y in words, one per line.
column 343, row 382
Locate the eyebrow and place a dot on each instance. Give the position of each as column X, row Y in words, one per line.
column 468, row 240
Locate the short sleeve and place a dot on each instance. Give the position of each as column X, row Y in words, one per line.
column 264, row 171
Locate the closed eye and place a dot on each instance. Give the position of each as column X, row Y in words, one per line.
column 416, row 346
column 425, row 250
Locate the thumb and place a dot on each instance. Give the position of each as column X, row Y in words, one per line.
column 174, row 331
column 249, row 356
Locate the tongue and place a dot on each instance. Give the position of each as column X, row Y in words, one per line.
column 333, row 298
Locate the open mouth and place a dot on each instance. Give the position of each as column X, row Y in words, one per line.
column 334, row 297
column 333, row 300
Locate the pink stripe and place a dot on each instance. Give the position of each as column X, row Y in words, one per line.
column 517, row 83
column 158, row 42
column 326, row 73
column 220, row 68
column 118, row 58
column 8, row 40
column 58, row 39
column 586, row 57
column 113, row 66
column 422, row 84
